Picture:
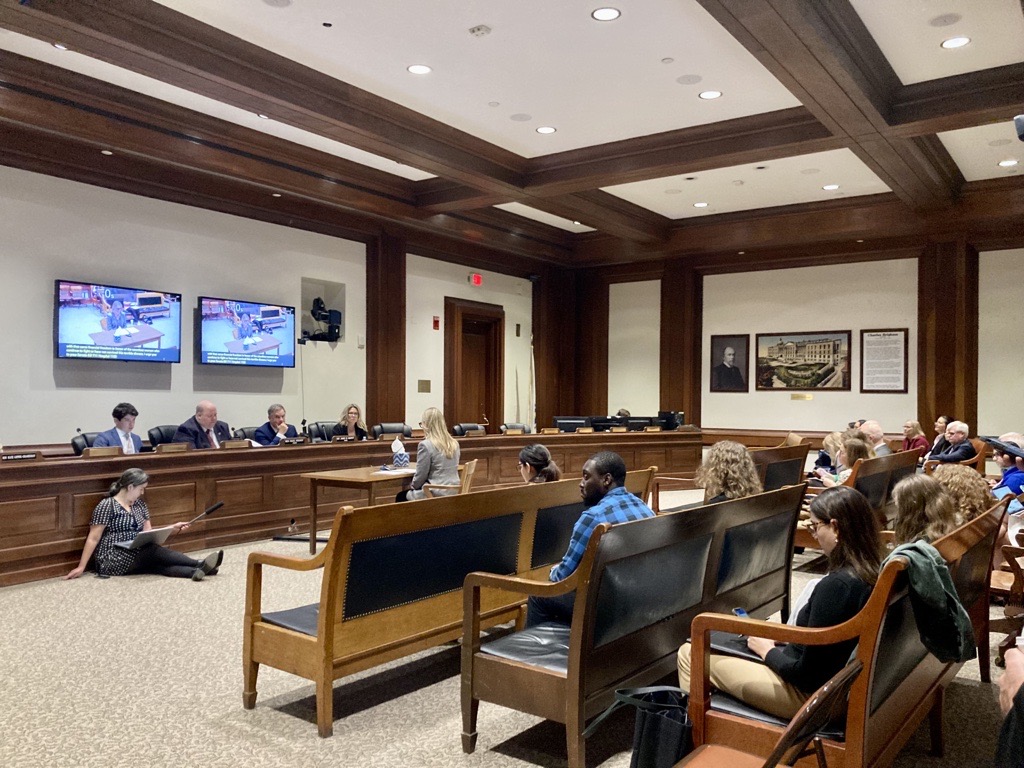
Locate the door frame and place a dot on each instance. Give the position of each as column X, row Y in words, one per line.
column 455, row 312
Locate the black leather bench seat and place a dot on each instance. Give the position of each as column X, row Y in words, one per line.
column 302, row 619
column 545, row 645
column 723, row 702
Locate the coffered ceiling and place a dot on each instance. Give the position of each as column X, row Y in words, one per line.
column 304, row 112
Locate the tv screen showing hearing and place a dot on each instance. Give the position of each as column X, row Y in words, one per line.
column 110, row 322
column 233, row 332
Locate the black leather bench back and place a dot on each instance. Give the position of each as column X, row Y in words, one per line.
column 779, row 474
column 899, row 649
column 552, row 533
column 391, row 571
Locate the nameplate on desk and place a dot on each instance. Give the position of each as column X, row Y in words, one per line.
column 22, row 456
column 293, row 441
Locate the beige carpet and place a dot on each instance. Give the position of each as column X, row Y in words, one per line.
column 147, row 671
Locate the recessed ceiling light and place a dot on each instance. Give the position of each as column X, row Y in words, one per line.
column 830, row 187
column 667, row 60
column 106, row 152
column 955, row 42
column 419, row 69
column 860, row 241
column 708, row 95
column 577, row 224
column 520, row 117
column 689, row 79
column 545, row 129
column 493, row 103
column 700, row 205
column 60, row 46
column 606, row 14
column 741, row 253
column 261, row 116
column 275, row 194
column 1007, row 163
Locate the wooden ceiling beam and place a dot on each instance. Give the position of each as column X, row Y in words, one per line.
column 826, row 57
column 153, row 40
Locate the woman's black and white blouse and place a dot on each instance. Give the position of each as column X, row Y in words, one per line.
column 121, row 525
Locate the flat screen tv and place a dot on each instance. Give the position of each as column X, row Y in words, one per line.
column 110, row 322
column 233, row 332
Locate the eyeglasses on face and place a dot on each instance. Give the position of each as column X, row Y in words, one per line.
column 814, row 525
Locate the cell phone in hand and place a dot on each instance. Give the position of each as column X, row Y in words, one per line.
column 741, row 613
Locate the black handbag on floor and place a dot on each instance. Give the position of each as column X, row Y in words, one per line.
column 663, row 734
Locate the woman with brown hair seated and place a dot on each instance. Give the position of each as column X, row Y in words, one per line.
column 847, row 531
column 537, row 466
column 923, row 510
column 851, row 451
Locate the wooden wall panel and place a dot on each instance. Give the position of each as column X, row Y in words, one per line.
column 29, row 516
column 243, row 494
column 682, row 313
column 385, row 329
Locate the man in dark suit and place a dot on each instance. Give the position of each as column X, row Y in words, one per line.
column 276, row 429
column 203, row 430
column 121, row 435
column 726, row 376
column 960, row 448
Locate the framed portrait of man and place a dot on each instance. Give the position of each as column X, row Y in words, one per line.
column 730, row 356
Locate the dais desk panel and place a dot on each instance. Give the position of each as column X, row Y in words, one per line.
column 44, row 516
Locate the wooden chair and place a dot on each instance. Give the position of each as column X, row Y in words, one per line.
column 792, row 439
column 463, row 487
column 1008, row 583
column 824, row 705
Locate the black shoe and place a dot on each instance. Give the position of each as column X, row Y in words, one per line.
column 212, row 562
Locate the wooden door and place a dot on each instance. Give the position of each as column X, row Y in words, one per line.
column 474, row 363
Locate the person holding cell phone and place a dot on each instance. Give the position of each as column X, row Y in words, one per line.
column 846, row 530
column 120, row 517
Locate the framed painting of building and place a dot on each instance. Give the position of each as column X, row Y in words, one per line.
column 803, row 361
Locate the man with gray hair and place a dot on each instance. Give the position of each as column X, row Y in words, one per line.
column 203, row 430
column 960, row 448
column 276, row 429
column 876, row 437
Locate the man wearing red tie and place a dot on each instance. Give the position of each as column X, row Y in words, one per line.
column 203, row 430
column 121, row 436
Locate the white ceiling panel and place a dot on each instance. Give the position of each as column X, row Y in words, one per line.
column 542, row 216
column 758, row 185
column 910, row 34
column 542, row 63
column 979, row 151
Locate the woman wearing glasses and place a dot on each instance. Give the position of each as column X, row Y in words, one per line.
column 537, row 466
column 847, row 531
column 350, row 425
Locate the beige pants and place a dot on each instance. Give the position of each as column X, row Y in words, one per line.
column 750, row 682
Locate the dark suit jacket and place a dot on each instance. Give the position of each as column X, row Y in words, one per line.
column 730, row 379
column 955, row 453
column 110, row 437
column 266, row 435
column 191, row 432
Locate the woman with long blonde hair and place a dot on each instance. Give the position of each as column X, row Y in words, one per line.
column 437, row 458
column 727, row 472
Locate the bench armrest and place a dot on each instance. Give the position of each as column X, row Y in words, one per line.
column 700, row 649
column 519, row 584
column 428, row 487
column 254, row 575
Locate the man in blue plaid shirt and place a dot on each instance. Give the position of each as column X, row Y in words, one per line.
column 607, row 501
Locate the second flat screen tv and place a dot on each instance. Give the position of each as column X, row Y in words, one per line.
column 233, row 332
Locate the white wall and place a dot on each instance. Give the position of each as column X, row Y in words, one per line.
column 428, row 282
column 881, row 294
column 51, row 228
column 634, row 347
column 1000, row 351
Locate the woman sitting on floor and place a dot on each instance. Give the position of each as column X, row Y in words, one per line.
column 727, row 472
column 119, row 518
column 847, row 531
column 537, row 466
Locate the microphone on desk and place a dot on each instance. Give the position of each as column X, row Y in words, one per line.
column 78, row 430
column 304, row 432
column 485, row 422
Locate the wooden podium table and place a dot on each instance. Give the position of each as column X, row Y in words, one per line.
column 361, row 477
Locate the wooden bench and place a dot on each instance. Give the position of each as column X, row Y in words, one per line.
column 392, row 579
column 902, row 682
column 638, row 586
column 776, row 468
column 875, row 478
